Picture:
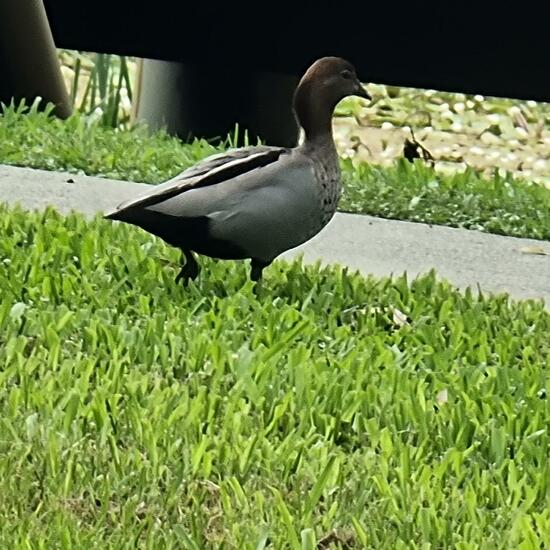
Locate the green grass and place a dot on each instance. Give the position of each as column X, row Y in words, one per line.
column 82, row 145
column 406, row 191
column 415, row 192
column 137, row 413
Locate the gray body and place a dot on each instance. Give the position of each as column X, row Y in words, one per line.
column 255, row 202
column 258, row 213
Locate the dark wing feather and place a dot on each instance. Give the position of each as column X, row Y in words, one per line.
column 219, row 159
column 210, row 171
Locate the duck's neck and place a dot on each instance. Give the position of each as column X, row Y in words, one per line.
column 314, row 114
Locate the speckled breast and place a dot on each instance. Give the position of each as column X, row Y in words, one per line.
column 328, row 175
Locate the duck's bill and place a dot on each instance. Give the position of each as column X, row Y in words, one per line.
column 361, row 92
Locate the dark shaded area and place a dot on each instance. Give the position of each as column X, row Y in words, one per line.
column 488, row 47
column 240, row 62
column 185, row 233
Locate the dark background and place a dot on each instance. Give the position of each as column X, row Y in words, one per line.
column 493, row 48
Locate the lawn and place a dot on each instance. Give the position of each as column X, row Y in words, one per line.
column 500, row 204
column 333, row 411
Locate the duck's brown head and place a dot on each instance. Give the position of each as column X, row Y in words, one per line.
column 325, row 83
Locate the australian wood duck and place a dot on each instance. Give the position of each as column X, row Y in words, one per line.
column 255, row 202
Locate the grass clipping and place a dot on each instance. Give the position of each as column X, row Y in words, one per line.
column 335, row 411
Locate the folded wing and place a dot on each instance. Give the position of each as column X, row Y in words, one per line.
column 211, row 171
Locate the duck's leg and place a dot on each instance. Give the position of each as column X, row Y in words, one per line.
column 256, row 268
column 190, row 269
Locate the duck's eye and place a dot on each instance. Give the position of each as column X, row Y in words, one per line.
column 346, row 74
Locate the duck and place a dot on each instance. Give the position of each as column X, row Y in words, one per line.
column 255, row 202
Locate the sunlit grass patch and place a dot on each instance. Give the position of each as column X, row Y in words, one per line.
column 357, row 411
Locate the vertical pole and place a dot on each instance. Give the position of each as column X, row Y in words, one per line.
column 208, row 100
column 29, row 66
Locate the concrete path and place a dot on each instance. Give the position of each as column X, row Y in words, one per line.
column 520, row 267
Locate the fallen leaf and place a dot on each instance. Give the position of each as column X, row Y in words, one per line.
column 17, row 310
column 414, row 202
column 534, row 250
column 442, row 397
column 399, row 318
column 519, row 119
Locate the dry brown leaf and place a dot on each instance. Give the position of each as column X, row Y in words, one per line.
column 534, row 249
column 520, row 121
